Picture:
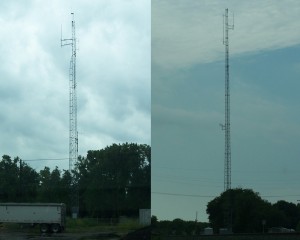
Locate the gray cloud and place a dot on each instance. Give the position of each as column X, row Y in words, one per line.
column 113, row 75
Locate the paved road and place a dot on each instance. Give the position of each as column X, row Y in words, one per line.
column 5, row 235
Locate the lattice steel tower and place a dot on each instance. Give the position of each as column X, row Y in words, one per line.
column 226, row 126
column 73, row 133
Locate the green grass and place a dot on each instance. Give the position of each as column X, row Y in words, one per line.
column 93, row 225
column 82, row 225
column 16, row 227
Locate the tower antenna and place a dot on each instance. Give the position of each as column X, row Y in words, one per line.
column 73, row 133
column 226, row 126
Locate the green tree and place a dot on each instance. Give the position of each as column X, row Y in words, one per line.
column 139, row 186
column 82, row 174
column 29, row 182
column 111, row 182
column 154, row 220
column 45, row 187
column 290, row 215
column 178, row 226
column 115, row 180
column 50, row 185
column 9, row 176
column 247, row 210
column 65, row 189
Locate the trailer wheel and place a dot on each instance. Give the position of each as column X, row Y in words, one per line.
column 44, row 228
column 55, row 228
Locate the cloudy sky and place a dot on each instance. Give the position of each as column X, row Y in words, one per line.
column 113, row 76
column 188, row 102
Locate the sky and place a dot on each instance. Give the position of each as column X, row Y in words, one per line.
column 187, row 102
column 153, row 72
column 113, row 77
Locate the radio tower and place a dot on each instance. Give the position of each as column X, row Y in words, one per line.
column 226, row 126
column 73, row 133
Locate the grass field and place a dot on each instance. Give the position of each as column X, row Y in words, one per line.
column 81, row 225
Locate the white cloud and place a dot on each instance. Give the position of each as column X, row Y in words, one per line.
column 190, row 32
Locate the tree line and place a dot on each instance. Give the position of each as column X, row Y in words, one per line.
column 244, row 211
column 177, row 227
column 111, row 182
column 241, row 211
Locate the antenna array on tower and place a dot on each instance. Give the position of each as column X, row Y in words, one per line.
column 226, row 126
column 73, row 133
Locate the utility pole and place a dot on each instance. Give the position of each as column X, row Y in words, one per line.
column 21, row 180
column 73, row 133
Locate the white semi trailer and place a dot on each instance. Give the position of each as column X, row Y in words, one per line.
column 50, row 216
